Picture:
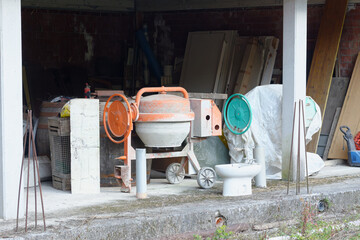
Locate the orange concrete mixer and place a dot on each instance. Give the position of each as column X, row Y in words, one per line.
column 162, row 121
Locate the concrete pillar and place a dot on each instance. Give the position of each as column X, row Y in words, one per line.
column 85, row 146
column 11, row 129
column 294, row 75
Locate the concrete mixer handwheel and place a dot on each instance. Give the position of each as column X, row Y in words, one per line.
column 206, row 177
column 117, row 118
column 174, row 174
column 237, row 114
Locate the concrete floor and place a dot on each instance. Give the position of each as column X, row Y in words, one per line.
column 64, row 210
column 57, row 200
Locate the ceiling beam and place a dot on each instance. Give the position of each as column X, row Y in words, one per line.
column 82, row 5
column 154, row 5
column 178, row 5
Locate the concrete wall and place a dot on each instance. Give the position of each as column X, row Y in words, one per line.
column 53, row 38
column 61, row 49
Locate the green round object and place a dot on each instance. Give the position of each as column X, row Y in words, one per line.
column 237, row 114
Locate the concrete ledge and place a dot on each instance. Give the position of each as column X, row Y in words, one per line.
column 169, row 217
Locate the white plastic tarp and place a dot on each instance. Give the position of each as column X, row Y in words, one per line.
column 265, row 130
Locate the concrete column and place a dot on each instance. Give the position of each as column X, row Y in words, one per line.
column 11, row 129
column 294, row 76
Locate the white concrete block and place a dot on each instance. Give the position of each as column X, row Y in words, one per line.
column 85, row 170
column 85, row 146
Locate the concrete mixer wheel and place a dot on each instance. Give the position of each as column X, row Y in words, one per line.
column 174, row 174
column 206, row 177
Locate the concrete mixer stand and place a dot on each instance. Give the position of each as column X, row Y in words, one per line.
column 156, row 117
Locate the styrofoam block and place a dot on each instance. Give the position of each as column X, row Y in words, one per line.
column 85, row 146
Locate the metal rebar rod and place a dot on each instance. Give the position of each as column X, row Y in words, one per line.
column 292, row 141
column 33, row 153
column 28, row 172
column 298, row 157
column 21, row 171
column 38, row 175
column 306, row 160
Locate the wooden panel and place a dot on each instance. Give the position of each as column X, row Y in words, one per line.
column 336, row 98
column 324, row 57
column 201, row 65
column 239, row 50
column 203, row 70
column 258, row 65
column 331, row 133
column 244, row 77
column 229, row 57
column 349, row 116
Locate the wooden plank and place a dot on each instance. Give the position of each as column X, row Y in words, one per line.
column 258, row 66
column 349, row 116
column 220, row 65
column 230, row 38
column 332, row 132
column 222, row 96
column 107, row 93
column 323, row 61
column 239, row 50
column 26, row 88
column 270, row 60
column 336, row 98
column 244, row 77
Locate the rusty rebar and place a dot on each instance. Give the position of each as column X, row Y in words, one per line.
column 292, row 141
column 29, row 133
column 298, row 158
column 306, row 160
column 21, row 171
column 33, row 155
column 38, row 174
column 28, row 172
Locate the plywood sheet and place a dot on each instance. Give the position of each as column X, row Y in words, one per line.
column 206, row 62
column 324, row 57
column 200, row 65
column 349, row 116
